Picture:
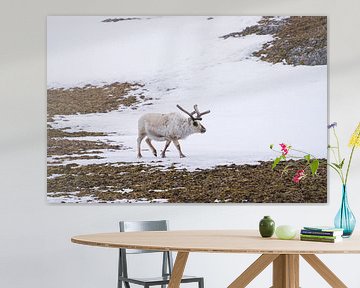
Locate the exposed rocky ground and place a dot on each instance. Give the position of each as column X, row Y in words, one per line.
column 298, row 40
column 59, row 144
column 93, row 99
column 224, row 184
column 84, row 100
column 120, row 19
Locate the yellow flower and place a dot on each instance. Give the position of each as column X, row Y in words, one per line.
column 355, row 138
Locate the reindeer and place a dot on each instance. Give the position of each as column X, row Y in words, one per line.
column 169, row 127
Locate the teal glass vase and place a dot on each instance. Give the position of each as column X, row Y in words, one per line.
column 345, row 219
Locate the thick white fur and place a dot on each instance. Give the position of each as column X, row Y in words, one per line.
column 169, row 127
column 162, row 127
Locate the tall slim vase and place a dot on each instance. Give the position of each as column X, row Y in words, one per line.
column 345, row 219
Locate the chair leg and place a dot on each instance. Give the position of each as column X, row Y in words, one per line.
column 119, row 270
column 201, row 283
column 126, row 284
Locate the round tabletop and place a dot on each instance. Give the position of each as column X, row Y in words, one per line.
column 220, row 241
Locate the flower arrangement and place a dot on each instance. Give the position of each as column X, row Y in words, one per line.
column 339, row 163
column 344, row 218
column 311, row 163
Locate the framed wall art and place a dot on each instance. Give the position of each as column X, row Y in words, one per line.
column 187, row 109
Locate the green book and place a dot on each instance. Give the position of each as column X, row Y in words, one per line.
column 319, row 236
column 325, row 240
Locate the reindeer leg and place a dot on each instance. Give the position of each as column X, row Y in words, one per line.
column 177, row 145
column 139, row 139
column 148, row 141
column 166, row 146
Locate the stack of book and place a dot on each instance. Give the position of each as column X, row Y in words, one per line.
column 321, row 234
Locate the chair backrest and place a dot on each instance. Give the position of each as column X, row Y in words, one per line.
column 134, row 226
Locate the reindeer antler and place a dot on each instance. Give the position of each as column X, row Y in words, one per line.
column 188, row 113
column 196, row 111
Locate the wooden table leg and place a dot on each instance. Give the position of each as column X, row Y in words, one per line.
column 178, row 269
column 253, row 270
column 324, row 271
column 286, row 271
column 293, row 261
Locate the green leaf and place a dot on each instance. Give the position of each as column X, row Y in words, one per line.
column 276, row 162
column 271, row 146
column 314, row 166
column 336, row 165
column 307, row 158
column 342, row 163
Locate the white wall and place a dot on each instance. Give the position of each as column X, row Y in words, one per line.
column 35, row 248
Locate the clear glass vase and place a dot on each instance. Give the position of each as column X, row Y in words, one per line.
column 345, row 219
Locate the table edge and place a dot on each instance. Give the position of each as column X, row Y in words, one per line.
column 203, row 250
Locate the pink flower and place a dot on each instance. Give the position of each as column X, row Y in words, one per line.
column 284, row 149
column 300, row 174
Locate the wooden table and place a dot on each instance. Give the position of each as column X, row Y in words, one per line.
column 284, row 254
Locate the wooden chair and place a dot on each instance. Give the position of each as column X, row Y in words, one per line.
column 167, row 262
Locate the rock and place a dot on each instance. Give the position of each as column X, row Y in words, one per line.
column 297, row 40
